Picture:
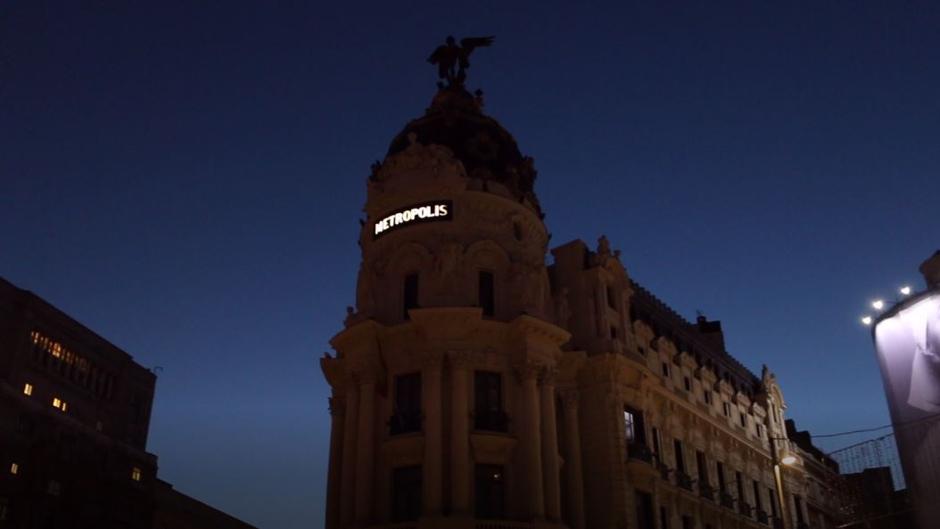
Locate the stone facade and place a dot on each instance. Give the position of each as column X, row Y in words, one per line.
column 474, row 385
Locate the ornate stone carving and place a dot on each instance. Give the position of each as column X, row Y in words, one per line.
column 548, row 375
column 460, row 359
column 569, row 397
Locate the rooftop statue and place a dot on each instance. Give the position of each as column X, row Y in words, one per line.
column 453, row 61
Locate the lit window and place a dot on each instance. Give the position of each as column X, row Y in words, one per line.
column 99, row 426
column 28, row 389
column 14, row 468
column 59, row 404
column 135, row 474
column 55, row 488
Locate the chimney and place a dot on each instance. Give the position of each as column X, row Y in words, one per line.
column 931, row 270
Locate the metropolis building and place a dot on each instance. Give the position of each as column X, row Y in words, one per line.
column 476, row 386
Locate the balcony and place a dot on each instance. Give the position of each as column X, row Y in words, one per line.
column 491, row 421
column 727, row 500
column 639, row 452
column 404, row 422
column 744, row 508
column 684, row 480
column 663, row 470
column 762, row 517
column 706, row 491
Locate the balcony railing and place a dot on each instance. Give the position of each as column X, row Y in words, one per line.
column 684, row 480
column 727, row 500
column 762, row 516
column 664, row 470
column 404, row 422
column 706, row 491
column 491, row 421
column 639, row 452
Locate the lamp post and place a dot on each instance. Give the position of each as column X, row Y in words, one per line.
column 778, row 478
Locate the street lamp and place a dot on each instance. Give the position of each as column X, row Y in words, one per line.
column 788, row 460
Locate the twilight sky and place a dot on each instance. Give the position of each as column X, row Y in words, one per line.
column 185, row 178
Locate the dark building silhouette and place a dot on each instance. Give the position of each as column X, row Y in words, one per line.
column 874, row 504
column 74, row 418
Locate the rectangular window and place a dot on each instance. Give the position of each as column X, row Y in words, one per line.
column 645, row 516
column 773, row 502
column 726, row 407
column 136, row 474
column 14, row 468
column 743, row 418
column 488, row 402
column 611, row 302
column 490, row 492
column 406, row 412
column 708, row 397
column 757, row 502
column 665, row 369
column 634, row 428
column 59, row 404
column 722, row 484
column 406, row 493
column 687, row 382
column 739, row 481
column 702, row 468
column 487, row 293
column 663, row 517
column 657, row 444
column 687, row 522
column 680, row 456
column 410, row 294
column 28, row 389
column 613, row 332
column 798, row 507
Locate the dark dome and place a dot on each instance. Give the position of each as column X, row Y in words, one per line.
column 488, row 152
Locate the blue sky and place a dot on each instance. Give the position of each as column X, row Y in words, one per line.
column 187, row 181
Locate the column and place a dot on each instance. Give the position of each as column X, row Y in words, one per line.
column 334, row 479
column 460, row 433
column 531, row 450
column 365, row 451
column 348, row 473
column 433, row 458
column 550, row 447
column 574, row 488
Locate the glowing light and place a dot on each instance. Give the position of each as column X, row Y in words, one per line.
column 14, row 468
column 60, row 404
column 878, row 304
column 905, row 290
column 136, row 474
column 866, row 320
column 28, row 389
column 788, row 460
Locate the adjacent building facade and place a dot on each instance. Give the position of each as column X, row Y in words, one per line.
column 74, row 418
column 476, row 385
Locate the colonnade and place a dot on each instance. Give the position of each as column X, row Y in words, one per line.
column 536, row 449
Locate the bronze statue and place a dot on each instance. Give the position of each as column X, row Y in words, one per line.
column 453, row 61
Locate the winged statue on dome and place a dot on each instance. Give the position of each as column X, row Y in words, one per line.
column 453, row 61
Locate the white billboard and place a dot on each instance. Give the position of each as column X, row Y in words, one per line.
column 907, row 341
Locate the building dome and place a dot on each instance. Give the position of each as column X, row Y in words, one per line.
column 487, row 151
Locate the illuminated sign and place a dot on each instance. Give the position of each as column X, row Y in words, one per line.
column 418, row 213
